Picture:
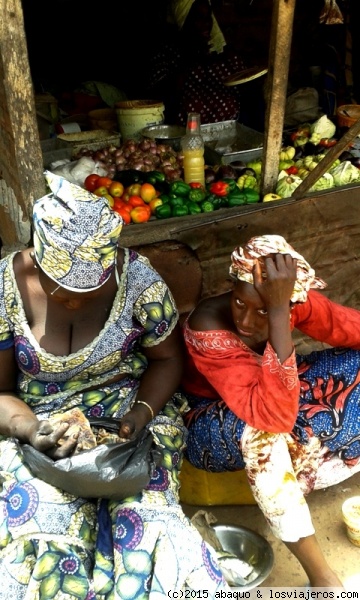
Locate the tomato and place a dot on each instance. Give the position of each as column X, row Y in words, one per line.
column 154, row 203
column 134, row 189
column 104, row 181
column 124, row 214
column 101, row 191
column 136, row 201
column 116, row 189
column 120, row 203
column 147, row 192
column 91, row 182
column 140, row 214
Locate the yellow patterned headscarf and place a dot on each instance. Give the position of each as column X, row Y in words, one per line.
column 180, row 10
column 243, row 260
column 75, row 235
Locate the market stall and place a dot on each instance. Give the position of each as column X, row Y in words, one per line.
column 193, row 248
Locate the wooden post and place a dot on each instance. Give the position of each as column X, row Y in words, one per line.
column 277, row 80
column 21, row 164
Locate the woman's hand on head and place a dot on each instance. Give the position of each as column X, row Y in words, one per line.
column 45, row 438
column 277, row 287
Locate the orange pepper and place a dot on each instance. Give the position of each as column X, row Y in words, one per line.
column 140, row 214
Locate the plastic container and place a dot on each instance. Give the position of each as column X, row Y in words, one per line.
column 351, row 516
column 192, row 146
column 134, row 115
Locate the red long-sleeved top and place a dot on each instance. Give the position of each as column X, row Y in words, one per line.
column 258, row 389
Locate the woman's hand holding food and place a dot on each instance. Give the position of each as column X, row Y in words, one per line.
column 46, row 438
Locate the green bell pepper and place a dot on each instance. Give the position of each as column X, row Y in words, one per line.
column 193, row 207
column 231, row 183
column 179, row 188
column 163, row 212
column 179, row 211
column 206, row 206
column 176, row 201
column 197, row 195
column 236, row 199
column 218, row 201
column 252, row 195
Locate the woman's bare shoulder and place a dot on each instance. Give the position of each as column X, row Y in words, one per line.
column 211, row 313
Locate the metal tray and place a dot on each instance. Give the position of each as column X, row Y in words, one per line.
column 227, row 141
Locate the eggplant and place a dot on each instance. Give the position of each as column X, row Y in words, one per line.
column 238, row 165
column 129, row 176
column 226, row 172
column 311, row 149
column 299, row 153
column 210, row 175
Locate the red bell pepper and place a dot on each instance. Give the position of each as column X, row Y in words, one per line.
column 196, row 185
column 219, row 188
column 292, row 170
column 327, row 142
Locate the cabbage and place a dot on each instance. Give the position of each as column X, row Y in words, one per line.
column 322, row 128
column 323, row 183
column 345, row 173
column 287, row 185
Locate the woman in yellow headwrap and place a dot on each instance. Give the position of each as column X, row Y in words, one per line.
column 293, row 422
column 89, row 328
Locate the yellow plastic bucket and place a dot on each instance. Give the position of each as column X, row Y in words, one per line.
column 134, row 115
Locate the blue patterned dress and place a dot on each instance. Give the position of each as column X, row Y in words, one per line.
column 56, row 546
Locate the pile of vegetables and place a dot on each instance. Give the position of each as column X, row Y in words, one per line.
column 190, row 199
column 307, row 146
column 144, row 156
column 140, row 196
column 234, row 184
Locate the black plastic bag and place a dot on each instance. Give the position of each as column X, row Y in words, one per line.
column 113, row 471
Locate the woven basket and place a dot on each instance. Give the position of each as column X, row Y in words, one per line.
column 94, row 139
column 348, row 114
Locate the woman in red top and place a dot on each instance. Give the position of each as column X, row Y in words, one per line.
column 293, row 422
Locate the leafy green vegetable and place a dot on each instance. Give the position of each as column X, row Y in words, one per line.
column 322, row 128
column 345, row 173
column 323, row 183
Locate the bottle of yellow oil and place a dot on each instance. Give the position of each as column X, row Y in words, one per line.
column 192, row 146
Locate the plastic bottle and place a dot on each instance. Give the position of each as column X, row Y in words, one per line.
column 192, row 146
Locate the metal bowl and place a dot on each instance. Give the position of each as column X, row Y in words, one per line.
column 165, row 134
column 249, row 547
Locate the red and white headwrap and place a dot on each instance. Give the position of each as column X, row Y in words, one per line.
column 243, row 260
